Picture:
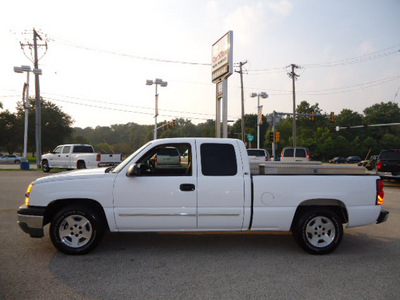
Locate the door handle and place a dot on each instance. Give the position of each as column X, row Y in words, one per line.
column 187, row 187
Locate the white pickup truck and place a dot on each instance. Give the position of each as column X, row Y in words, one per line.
column 77, row 156
column 212, row 191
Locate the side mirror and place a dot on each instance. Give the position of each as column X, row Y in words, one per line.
column 133, row 171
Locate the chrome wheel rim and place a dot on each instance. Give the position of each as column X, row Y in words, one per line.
column 320, row 231
column 75, row 231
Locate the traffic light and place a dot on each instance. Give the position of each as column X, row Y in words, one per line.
column 271, row 137
column 332, row 117
column 313, row 116
column 278, row 136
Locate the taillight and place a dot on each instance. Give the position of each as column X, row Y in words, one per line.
column 266, row 158
column 98, row 157
column 155, row 158
column 282, row 154
column 379, row 165
column 380, row 194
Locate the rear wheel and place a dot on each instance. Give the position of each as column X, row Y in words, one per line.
column 76, row 230
column 81, row 165
column 318, row 231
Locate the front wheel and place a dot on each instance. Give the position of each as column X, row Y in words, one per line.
column 318, row 231
column 45, row 166
column 76, row 230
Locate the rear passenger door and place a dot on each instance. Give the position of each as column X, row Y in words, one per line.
column 220, row 187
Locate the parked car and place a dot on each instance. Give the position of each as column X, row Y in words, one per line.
column 353, row 159
column 258, row 155
column 11, row 159
column 369, row 164
column 292, row 154
column 338, row 160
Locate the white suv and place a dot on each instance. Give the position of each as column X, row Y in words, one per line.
column 292, row 154
column 258, row 155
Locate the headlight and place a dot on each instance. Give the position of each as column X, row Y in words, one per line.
column 27, row 194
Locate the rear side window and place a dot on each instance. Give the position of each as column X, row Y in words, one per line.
column 168, row 152
column 301, row 153
column 289, row 152
column 256, row 152
column 218, row 160
column 82, row 149
column 395, row 155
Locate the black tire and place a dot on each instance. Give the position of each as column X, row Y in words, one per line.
column 76, row 230
column 17, row 162
column 45, row 166
column 81, row 165
column 318, row 231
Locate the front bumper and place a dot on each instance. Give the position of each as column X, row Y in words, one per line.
column 383, row 216
column 30, row 219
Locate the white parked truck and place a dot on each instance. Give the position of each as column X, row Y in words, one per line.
column 77, row 156
column 213, row 191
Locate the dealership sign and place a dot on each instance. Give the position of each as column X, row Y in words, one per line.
column 222, row 58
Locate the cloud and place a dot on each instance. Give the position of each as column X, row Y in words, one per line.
column 365, row 47
column 247, row 22
column 283, row 8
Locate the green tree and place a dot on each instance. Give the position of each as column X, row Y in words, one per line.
column 11, row 133
column 383, row 113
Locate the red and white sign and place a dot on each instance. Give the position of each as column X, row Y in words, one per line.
column 222, row 58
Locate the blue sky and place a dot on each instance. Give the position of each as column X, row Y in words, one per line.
column 100, row 55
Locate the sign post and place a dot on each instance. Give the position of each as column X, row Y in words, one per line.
column 222, row 68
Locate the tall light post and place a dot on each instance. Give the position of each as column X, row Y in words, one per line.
column 25, row 99
column 156, row 82
column 263, row 95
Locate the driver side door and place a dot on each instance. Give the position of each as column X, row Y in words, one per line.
column 161, row 197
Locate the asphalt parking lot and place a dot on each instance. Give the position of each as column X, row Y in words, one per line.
column 197, row 266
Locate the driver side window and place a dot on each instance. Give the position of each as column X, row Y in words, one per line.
column 166, row 160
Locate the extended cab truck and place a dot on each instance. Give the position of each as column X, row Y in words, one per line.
column 213, row 191
column 77, row 156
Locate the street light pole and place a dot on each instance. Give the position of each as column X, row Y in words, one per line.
column 26, row 106
column 263, row 95
column 156, row 82
column 25, row 100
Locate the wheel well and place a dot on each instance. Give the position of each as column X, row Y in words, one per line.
column 335, row 205
column 57, row 205
column 80, row 161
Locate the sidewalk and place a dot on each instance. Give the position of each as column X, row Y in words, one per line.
column 16, row 166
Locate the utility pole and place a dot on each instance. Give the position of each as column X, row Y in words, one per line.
column 294, row 76
column 241, row 64
column 38, row 103
column 38, row 122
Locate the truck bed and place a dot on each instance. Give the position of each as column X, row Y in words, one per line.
column 303, row 168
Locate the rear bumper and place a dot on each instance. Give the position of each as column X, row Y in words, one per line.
column 383, row 216
column 30, row 219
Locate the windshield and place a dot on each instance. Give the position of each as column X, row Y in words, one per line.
column 129, row 158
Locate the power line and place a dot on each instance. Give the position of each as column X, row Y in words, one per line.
column 395, row 49
column 128, row 105
column 130, row 111
column 70, row 44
